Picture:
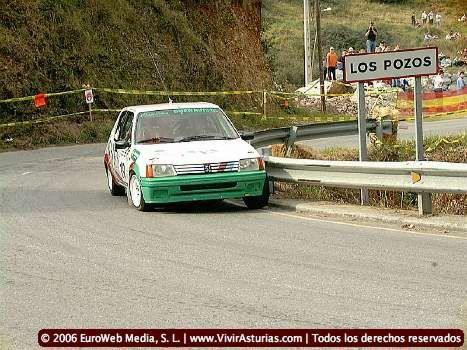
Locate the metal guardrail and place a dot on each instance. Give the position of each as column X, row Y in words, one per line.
column 414, row 176
column 288, row 135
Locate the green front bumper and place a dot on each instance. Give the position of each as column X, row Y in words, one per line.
column 187, row 188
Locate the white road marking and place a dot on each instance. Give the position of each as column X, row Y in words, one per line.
column 27, row 172
column 365, row 226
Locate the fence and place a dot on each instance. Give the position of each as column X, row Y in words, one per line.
column 434, row 103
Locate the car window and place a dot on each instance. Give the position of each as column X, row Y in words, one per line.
column 120, row 124
column 182, row 124
column 124, row 132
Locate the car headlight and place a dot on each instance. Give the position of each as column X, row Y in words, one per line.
column 251, row 164
column 160, row 170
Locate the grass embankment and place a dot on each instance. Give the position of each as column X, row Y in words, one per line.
column 344, row 27
column 55, row 46
column 448, row 149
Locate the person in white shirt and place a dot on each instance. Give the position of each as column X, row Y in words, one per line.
column 438, row 82
column 460, row 81
column 424, row 16
column 438, row 19
column 431, row 17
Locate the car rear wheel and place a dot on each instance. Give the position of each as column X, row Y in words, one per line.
column 115, row 190
column 135, row 194
column 258, row 202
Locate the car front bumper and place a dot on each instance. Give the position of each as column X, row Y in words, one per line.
column 186, row 188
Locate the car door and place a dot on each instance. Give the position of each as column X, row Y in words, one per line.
column 113, row 154
column 123, row 155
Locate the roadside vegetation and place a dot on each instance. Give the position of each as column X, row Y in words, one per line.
column 444, row 149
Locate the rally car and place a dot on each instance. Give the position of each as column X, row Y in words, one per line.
column 179, row 152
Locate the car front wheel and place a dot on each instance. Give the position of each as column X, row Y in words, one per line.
column 135, row 194
column 258, row 202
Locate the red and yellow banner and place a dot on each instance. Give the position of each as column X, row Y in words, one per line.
column 434, row 102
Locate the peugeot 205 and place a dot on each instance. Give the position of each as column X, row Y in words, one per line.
column 181, row 152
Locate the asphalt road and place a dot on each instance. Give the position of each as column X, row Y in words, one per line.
column 73, row 256
column 406, row 132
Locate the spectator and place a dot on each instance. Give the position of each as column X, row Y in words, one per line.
column 438, row 82
column 438, row 20
column 460, row 81
column 361, row 51
column 429, row 37
column 424, row 17
column 325, row 68
column 331, row 63
column 431, row 17
column 350, row 51
column 378, row 49
column 463, row 18
column 414, row 22
column 341, row 59
column 371, row 35
column 453, row 35
column 382, row 46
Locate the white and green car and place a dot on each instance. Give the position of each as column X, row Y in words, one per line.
column 179, row 152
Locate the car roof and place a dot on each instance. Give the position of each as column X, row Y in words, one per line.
column 167, row 106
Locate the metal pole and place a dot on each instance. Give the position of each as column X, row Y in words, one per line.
column 90, row 111
column 320, row 56
column 362, row 146
column 424, row 199
column 313, row 57
column 306, row 36
column 265, row 102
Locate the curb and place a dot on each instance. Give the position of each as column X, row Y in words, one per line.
column 389, row 216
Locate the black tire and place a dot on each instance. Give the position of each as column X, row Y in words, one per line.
column 115, row 190
column 258, row 202
column 142, row 206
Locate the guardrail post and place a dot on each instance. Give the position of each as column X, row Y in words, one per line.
column 291, row 140
column 265, row 102
column 424, row 199
column 362, row 147
column 267, row 152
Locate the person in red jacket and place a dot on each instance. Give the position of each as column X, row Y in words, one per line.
column 331, row 62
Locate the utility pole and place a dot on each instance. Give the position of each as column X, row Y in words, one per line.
column 306, row 36
column 320, row 55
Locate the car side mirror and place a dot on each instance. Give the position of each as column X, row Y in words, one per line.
column 122, row 144
column 247, row 136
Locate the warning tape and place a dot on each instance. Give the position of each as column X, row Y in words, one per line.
column 437, row 115
column 176, row 93
column 445, row 141
column 49, row 119
column 318, row 118
column 43, row 120
column 30, row 98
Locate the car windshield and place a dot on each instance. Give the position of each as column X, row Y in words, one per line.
column 183, row 125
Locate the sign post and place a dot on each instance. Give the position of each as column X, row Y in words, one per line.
column 89, row 96
column 424, row 199
column 362, row 147
column 389, row 65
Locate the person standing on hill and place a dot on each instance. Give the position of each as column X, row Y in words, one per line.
column 331, row 62
column 371, row 35
column 431, row 17
column 438, row 19
column 424, row 16
column 414, row 22
column 460, row 81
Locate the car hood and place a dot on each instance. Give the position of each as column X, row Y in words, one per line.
column 196, row 152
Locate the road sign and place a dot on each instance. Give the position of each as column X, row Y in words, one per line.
column 89, row 96
column 391, row 64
